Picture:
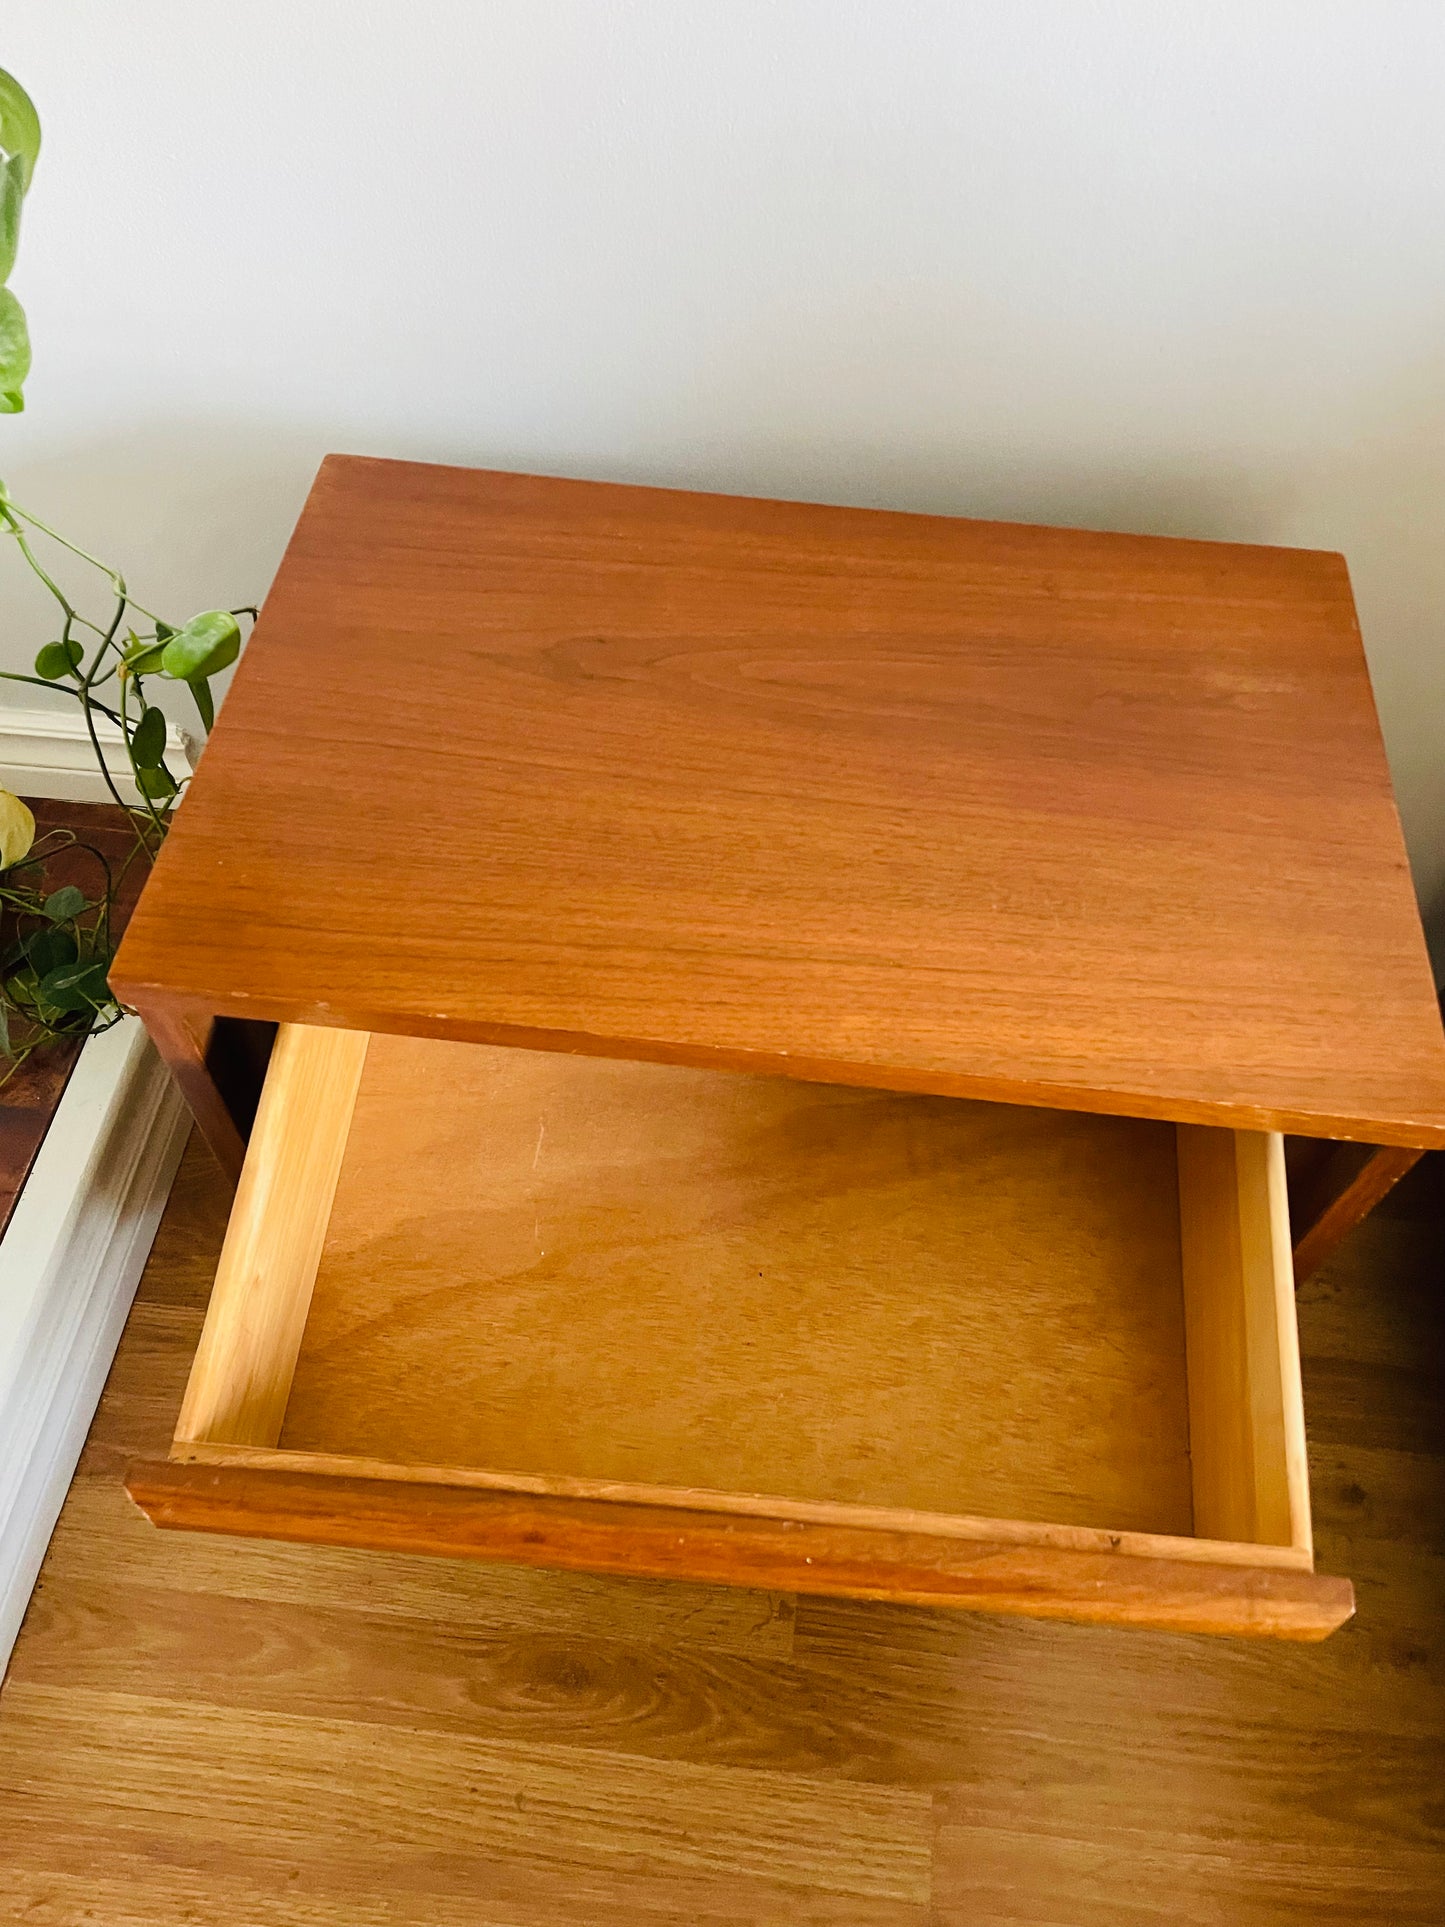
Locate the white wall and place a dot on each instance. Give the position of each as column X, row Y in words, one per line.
column 1174, row 267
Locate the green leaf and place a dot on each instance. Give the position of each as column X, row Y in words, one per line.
column 156, row 783
column 64, row 903
column 207, row 643
column 14, row 350
column 48, row 949
column 5, row 1050
column 164, row 631
column 57, row 659
column 22, row 986
column 75, row 986
column 12, row 196
column 201, row 690
column 144, row 658
column 148, row 744
column 19, row 123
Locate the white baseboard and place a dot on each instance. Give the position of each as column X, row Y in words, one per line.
column 49, row 753
column 70, row 1261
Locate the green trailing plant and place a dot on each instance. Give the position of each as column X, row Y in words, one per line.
column 107, row 653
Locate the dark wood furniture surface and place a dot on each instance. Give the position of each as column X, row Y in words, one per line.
column 1099, row 822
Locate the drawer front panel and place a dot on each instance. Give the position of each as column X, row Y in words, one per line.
column 924, row 1569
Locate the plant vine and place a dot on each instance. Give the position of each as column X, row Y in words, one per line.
column 57, row 943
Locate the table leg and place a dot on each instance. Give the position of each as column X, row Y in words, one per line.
column 185, row 1038
column 1332, row 1194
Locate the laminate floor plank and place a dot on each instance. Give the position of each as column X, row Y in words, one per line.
column 198, row 1731
column 1026, row 1877
column 948, row 1720
column 295, row 1785
column 64, row 1870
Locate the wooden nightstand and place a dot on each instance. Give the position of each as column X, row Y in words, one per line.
column 1036, row 881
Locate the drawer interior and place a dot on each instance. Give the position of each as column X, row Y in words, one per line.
column 636, row 1272
column 586, row 1276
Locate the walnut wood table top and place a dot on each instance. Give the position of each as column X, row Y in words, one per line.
column 1097, row 821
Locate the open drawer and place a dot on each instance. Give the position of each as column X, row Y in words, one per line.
column 639, row 1319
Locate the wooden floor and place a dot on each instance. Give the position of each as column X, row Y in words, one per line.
column 200, row 1731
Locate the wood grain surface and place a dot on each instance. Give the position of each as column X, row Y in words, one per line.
column 1247, row 1446
column 185, row 1034
column 198, row 1731
column 643, row 1319
column 638, row 1272
column 976, row 1527
column 657, row 1542
column 1344, row 1185
column 242, row 1375
column 1094, row 821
